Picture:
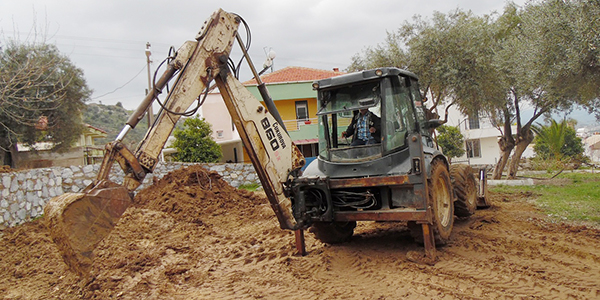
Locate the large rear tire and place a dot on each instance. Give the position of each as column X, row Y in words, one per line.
column 441, row 202
column 465, row 189
column 333, row 232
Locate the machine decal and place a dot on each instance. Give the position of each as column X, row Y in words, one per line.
column 273, row 134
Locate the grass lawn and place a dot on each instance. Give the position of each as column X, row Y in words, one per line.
column 568, row 197
column 250, row 187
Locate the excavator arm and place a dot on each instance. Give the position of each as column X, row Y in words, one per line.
column 79, row 221
column 270, row 148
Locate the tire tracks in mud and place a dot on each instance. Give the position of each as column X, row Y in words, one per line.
column 514, row 258
column 497, row 254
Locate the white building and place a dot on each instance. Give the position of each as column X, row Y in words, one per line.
column 215, row 112
column 481, row 138
column 592, row 147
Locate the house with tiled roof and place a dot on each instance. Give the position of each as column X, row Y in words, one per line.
column 295, row 75
column 291, row 90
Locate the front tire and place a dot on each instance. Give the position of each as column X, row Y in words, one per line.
column 441, row 203
column 333, row 232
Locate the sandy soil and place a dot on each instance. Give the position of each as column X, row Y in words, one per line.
column 192, row 236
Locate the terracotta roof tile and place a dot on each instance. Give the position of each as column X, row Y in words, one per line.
column 96, row 128
column 295, row 74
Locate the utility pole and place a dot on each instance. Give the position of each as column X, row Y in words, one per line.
column 148, row 61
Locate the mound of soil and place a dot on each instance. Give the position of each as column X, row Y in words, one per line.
column 192, row 236
column 193, row 193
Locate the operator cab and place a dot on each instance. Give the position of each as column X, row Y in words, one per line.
column 393, row 100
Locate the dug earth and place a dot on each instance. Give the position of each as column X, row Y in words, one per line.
column 193, row 236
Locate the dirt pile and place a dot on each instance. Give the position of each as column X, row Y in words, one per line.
column 192, row 236
column 193, row 193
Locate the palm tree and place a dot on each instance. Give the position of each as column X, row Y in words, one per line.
column 550, row 140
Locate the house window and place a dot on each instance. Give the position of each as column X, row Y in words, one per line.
column 301, row 110
column 474, row 121
column 219, row 134
column 473, row 148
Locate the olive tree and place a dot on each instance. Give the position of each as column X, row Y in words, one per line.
column 543, row 57
column 551, row 60
column 42, row 94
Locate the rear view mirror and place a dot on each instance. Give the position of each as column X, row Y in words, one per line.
column 366, row 102
column 433, row 123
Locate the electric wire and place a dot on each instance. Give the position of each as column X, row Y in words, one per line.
column 118, row 88
column 235, row 69
column 353, row 199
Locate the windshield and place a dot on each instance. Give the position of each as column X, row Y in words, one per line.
column 349, row 98
column 350, row 119
column 359, row 122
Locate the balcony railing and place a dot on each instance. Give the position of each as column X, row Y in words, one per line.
column 483, row 123
column 296, row 124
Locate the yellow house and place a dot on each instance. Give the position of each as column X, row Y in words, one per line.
column 293, row 95
column 291, row 90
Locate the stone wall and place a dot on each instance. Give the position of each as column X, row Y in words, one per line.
column 23, row 194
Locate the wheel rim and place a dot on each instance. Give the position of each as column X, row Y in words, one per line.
column 442, row 200
column 471, row 193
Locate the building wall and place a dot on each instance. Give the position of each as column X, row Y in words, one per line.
column 232, row 151
column 486, row 134
column 215, row 112
column 287, row 111
column 490, row 153
column 287, row 90
column 45, row 158
column 82, row 152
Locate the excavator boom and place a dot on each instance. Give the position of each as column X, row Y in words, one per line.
column 78, row 222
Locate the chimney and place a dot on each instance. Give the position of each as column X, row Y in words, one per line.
column 336, row 69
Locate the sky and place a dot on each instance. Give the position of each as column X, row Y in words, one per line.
column 107, row 39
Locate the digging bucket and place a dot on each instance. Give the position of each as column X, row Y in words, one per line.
column 79, row 221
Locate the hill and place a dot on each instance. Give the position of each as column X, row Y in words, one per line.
column 112, row 118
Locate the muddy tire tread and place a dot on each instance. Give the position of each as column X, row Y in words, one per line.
column 465, row 189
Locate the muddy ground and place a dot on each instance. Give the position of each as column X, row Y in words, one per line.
column 192, row 236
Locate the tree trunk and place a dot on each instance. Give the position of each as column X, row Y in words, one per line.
column 525, row 138
column 506, row 143
column 3, row 157
column 6, row 158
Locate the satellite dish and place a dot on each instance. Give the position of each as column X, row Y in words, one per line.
column 270, row 57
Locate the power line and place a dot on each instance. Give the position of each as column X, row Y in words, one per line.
column 126, row 83
column 81, row 38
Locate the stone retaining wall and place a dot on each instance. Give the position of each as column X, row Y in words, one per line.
column 23, row 194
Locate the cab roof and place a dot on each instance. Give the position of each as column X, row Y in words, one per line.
column 361, row 77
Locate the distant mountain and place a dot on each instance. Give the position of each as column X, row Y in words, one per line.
column 583, row 117
column 112, row 118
